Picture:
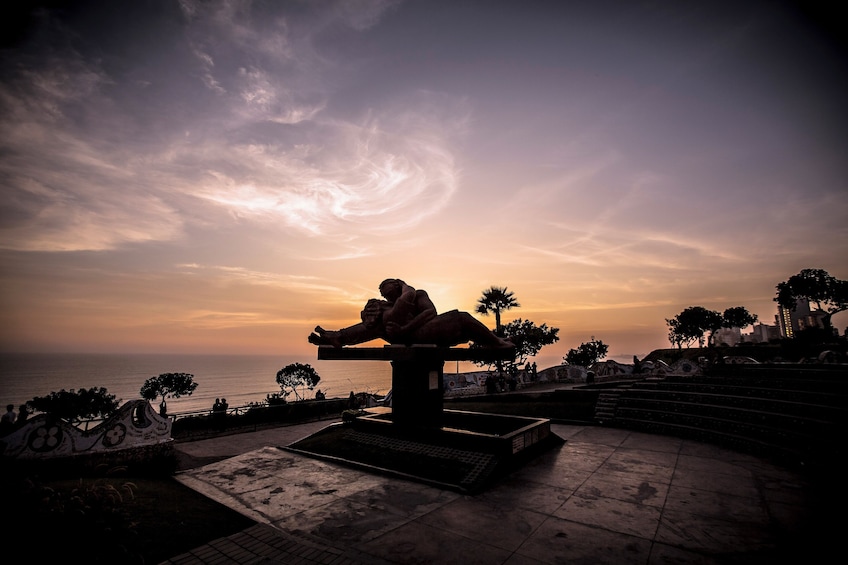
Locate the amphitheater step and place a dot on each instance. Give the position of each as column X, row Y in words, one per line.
column 788, row 454
column 606, row 405
column 796, row 413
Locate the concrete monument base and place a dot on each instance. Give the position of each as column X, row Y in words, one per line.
column 417, row 438
column 469, row 453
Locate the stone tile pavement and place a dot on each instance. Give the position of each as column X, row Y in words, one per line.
column 605, row 496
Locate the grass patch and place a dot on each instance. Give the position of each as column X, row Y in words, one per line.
column 110, row 519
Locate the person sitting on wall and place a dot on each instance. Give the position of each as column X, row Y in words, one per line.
column 408, row 316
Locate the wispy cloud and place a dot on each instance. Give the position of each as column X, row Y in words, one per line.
column 284, row 283
column 65, row 191
column 74, row 187
column 240, row 163
column 372, row 181
column 215, row 320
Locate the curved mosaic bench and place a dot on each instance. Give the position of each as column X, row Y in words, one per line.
column 133, row 425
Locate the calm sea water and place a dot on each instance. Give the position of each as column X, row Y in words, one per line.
column 240, row 379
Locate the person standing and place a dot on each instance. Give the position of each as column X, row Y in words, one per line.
column 491, row 384
column 221, row 414
column 23, row 414
column 7, row 420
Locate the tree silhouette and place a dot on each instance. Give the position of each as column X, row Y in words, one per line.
column 496, row 299
column 829, row 294
column 297, row 375
column 677, row 334
column 587, row 354
column 168, row 385
column 738, row 317
column 74, row 405
column 528, row 338
column 691, row 324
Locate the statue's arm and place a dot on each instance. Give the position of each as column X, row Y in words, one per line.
column 403, row 309
column 411, row 311
column 426, row 312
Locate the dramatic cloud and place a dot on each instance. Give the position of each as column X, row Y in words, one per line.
column 174, row 172
column 85, row 170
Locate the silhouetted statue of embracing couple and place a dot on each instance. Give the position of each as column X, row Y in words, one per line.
column 407, row 316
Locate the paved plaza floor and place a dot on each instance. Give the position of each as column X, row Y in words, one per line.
column 605, row 496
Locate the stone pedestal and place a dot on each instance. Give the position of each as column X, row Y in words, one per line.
column 417, row 372
column 418, row 439
column 417, row 392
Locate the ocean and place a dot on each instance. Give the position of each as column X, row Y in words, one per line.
column 241, row 379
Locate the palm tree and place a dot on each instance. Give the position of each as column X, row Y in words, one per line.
column 496, row 299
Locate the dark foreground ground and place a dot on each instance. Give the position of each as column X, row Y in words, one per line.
column 117, row 515
column 110, row 519
column 149, row 519
column 606, row 495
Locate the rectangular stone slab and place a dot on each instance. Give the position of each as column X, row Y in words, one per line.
column 413, row 352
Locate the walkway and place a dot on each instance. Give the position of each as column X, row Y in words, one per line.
column 606, row 496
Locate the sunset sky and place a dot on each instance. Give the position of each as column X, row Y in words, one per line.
column 221, row 176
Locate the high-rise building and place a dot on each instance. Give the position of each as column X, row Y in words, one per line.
column 801, row 318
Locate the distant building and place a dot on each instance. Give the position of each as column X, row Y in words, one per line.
column 727, row 336
column 801, row 318
column 788, row 320
column 762, row 333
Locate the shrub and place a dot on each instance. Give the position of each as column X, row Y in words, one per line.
column 74, row 406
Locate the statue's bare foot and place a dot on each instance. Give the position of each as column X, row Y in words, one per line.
column 324, row 337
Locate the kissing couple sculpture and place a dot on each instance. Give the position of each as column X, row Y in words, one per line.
column 407, row 316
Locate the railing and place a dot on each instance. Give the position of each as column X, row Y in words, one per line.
column 234, row 411
column 86, row 425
